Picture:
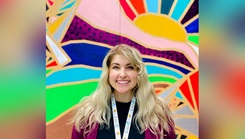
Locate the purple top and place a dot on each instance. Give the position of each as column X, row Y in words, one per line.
column 93, row 134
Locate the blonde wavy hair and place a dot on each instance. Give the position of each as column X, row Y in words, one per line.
column 152, row 112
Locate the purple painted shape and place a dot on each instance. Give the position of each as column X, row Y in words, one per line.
column 193, row 11
column 80, row 30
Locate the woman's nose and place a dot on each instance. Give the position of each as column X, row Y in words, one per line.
column 122, row 73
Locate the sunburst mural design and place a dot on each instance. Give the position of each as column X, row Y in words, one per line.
column 166, row 18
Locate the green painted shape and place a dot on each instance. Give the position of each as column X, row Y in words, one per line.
column 161, row 79
column 47, row 71
column 61, row 98
column 194, row 39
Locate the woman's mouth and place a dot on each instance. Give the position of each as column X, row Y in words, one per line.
column 122, row 82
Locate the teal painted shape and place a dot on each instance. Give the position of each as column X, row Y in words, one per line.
column 159, row 70
column 166, row 6
column 65, row 2
column 179, row 8
column 152, row 6
column 72, row 75
column 68, row 6
column 178, row 95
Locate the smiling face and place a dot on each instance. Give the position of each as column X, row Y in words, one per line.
column 122, row 75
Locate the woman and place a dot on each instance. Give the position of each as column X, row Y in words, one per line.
column 124, row 104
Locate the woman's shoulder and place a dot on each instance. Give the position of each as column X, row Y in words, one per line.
column 171, row 134
column 79, row 133
column 167, row 135
column 75, row 134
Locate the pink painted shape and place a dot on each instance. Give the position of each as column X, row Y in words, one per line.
column 50, row 2
column 53, row 19
column 107, row 15
column 127, row 9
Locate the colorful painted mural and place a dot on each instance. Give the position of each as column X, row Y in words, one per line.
column 79, row 33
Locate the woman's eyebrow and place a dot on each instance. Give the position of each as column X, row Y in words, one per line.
column 115, row 64
column 129, row 64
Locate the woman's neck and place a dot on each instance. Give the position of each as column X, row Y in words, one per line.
column 127, row 97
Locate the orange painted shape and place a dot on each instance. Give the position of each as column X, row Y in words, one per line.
column 186, row 91
column 138, row 5
column 194, row 82
column 157, row 91
column 127, row 9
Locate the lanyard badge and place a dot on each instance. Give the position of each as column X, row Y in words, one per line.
column 116, row 120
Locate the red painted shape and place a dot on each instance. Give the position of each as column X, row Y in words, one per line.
column 186, row 91
column 50, row 2
column 52, row 64
column 194, row 83
column 157, row 91
column 127, row 9
column 138, row 5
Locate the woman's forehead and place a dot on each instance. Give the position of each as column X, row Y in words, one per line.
column 119, row 58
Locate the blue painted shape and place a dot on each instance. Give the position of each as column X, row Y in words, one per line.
column 152, row 6
column 59, row 33
column 72, row 75
column 193, row 27
column 179, row 68
column 179, row 8
column 184, row 111
column 87, row 54
column 168, row 91
column 93, row 55
column 68, row 6
column 159, row 70
column 178, row 95
column 188, row 124
column 166, row 6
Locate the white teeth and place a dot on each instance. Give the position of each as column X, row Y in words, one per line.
column 122, row 82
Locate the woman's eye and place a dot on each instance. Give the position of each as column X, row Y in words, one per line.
column 115, row 67
column 130, row 67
